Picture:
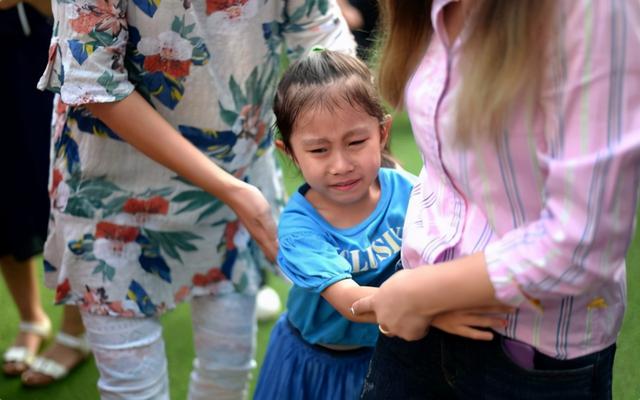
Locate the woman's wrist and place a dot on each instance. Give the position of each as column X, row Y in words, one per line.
column 454, row 285
column 231, row 190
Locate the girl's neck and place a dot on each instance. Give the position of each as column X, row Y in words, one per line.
column 343, row 216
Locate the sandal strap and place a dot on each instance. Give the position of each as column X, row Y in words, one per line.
column 78, row 343
column 42, row 329
column 49, row 367
column 19, row 354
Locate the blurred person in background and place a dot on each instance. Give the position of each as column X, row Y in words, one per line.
column 25, row 29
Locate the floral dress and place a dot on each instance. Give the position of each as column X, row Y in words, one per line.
column 128, row 237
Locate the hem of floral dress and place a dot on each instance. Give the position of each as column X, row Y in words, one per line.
column 104, row 308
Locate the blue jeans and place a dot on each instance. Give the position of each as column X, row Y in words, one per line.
column 444, row 366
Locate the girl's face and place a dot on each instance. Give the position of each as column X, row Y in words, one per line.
column 338, row 151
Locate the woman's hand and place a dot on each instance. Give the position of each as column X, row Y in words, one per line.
column 394, row 308
column 133, row 118
column 408, row 301
column 467, row 322
column 254, row 212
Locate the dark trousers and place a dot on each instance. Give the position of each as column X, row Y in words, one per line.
column 444, row 366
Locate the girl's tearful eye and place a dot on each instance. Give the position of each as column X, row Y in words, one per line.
column 320, row 150
column 357, row 142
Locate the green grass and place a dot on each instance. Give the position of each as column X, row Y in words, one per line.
column 81, row 384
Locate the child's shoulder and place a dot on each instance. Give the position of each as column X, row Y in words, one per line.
column 399, row 176
column 298, row 215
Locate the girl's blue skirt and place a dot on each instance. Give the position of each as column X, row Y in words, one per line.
column 295, row 369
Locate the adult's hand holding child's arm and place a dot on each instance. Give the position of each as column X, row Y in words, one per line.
column 394, row 309
column 341, row 296
column 408, row 301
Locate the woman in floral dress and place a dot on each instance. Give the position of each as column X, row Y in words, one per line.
column 162, row 134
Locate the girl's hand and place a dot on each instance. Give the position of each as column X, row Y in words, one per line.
column 466, row 323
column 254, row 212
column 394, row 308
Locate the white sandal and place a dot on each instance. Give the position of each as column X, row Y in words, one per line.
column 54, row 369
column 21, row 354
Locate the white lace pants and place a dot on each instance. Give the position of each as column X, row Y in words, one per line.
column 130, row 356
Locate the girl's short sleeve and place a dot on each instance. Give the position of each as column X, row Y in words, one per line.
column 311, row 262
column 87, row 52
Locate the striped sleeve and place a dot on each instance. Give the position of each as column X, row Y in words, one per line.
column 593, row 169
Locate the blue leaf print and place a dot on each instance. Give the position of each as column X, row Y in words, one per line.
column 78, row 50
column 155, row 265
column 207, row 139
column 200, row 55
column 68, row 148
column 149, row 7
column 151, row 260
column 227, row 265
column 167, row 90
column 82, row 246
column 140, row 296
column 88, row 124
column 48, row 267
column 216, row 144
column 134, row 37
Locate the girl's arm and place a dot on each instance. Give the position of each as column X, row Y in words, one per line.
column 140, row 125
column 342, row 294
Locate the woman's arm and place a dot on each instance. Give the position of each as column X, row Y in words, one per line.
column 583, row 231
column 407, row 301
column 341, row 296
column 140, row 125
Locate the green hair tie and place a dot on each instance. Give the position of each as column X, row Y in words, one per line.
column 318, row 49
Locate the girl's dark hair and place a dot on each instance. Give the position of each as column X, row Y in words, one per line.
column 324, row 79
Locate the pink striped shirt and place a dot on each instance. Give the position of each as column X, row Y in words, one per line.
column 553, row 204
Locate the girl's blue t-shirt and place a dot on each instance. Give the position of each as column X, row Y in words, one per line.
column 315, row 255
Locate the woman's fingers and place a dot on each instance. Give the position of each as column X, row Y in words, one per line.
column 254, row 212
column 474, row 333
column 363, row 306
column 490, row 310
column 266, row 235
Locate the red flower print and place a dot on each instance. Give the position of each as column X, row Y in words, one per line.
column 103, row 16
column 154, row 205
column 214, row 275
column 61, row 108
column 62, row 290
column 231, row 6
column 182, row 293
column 175, row 68
column 55, row 180
column 199, row 280
column 169, row 53
column 121, row 233
column 229, row 233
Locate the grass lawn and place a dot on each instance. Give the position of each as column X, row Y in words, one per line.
column 81, row 384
